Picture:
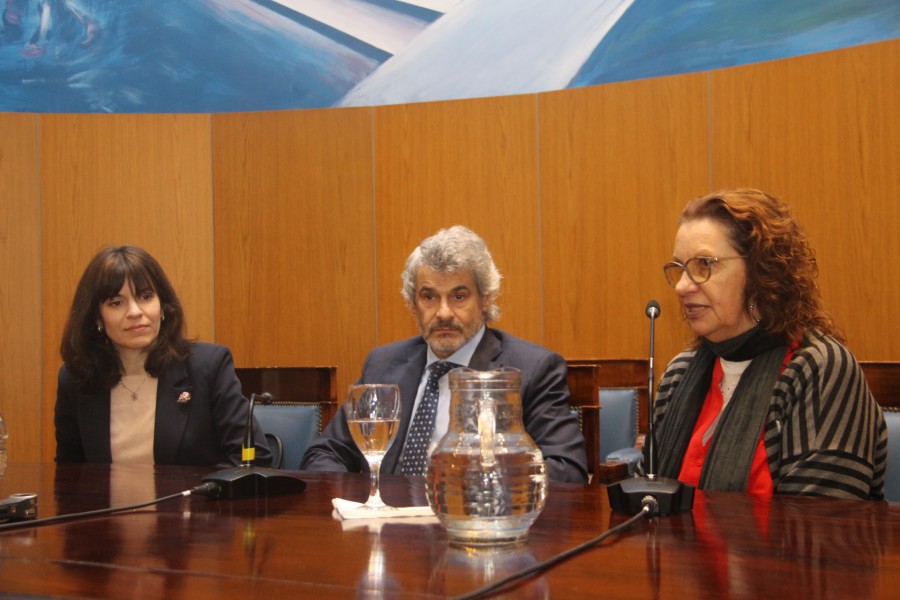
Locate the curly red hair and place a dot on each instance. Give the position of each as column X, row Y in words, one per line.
column 781, row 265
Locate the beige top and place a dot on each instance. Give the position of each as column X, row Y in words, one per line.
column 731, row 376
column 132, row 422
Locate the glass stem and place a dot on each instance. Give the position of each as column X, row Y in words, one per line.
column 374, row 492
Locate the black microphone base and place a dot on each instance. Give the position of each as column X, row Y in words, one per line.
column 670, row 496
column 251, row 482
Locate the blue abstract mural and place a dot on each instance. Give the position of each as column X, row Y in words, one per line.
column 210, row 56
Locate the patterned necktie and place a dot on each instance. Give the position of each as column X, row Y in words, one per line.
column 414, row 460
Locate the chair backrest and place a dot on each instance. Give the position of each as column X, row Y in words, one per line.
column 618, row 419
column 304, row 400
column 296, row 425
column 583, row 381
column 610, row 396
column 892, row 478
column 884, row 382
column 292, row 385
column 616, row 373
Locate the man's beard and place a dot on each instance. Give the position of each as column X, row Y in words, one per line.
column 442, row 346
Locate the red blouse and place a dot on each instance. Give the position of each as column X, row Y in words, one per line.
column 760, row 477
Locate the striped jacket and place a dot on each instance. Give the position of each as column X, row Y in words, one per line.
column 824, row 433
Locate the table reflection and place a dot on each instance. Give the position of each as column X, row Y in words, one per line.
column 376, row 578
column 461, row 570
column 730, row 546
column 142, row 540
column 780, row 534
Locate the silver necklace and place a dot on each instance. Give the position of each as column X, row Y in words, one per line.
column 134, row 392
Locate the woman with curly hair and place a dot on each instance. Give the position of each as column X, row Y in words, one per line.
column 766, row 399
column 133, row 389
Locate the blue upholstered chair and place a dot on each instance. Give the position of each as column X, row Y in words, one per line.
column 884, row 382
column 303, row 402
column 609, row 396
column 619, row 423
column 892, row 480
column 296, row 425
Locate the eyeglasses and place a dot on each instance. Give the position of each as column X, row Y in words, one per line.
column 698, row 269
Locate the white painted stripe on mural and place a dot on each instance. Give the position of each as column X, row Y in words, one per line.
column 312, row 42
column 491, row 48
column 377, row 26
column 435, row 5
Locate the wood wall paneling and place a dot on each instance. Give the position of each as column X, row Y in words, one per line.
column 820, row 131
column 20, row 291
column 294, row 238
column 618, row 162
column 472, row 163
column 113, row 179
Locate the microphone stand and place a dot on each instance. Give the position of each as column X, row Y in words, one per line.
column 664, row 496
column 248, row 480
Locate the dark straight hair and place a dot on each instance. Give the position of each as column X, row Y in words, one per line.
column 91, row 359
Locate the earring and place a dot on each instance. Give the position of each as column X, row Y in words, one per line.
column 750, row 312
column 99, row 328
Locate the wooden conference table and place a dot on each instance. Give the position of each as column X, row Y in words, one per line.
column 730, row 546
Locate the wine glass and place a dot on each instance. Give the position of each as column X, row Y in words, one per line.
column 373, row 416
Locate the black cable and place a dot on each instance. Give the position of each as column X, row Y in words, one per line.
column 209, row 488
column 489, row 589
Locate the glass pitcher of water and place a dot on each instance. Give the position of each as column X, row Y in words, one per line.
column 486, row 480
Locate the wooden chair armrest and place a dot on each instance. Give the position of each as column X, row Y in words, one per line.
column 610, row 472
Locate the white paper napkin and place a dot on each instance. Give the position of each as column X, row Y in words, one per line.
column 351, row 510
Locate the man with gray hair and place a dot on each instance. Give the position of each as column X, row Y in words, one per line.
column 451, row 285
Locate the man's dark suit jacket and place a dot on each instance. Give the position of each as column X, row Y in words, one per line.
column 207, row 430
column 545, row 393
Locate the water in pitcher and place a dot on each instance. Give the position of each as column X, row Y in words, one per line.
column 486, row 504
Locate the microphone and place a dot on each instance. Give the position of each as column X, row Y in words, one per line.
column 248, row 480
column 652, row 312
column 664, row 496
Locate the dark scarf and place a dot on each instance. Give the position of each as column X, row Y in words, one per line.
column 730, row 456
